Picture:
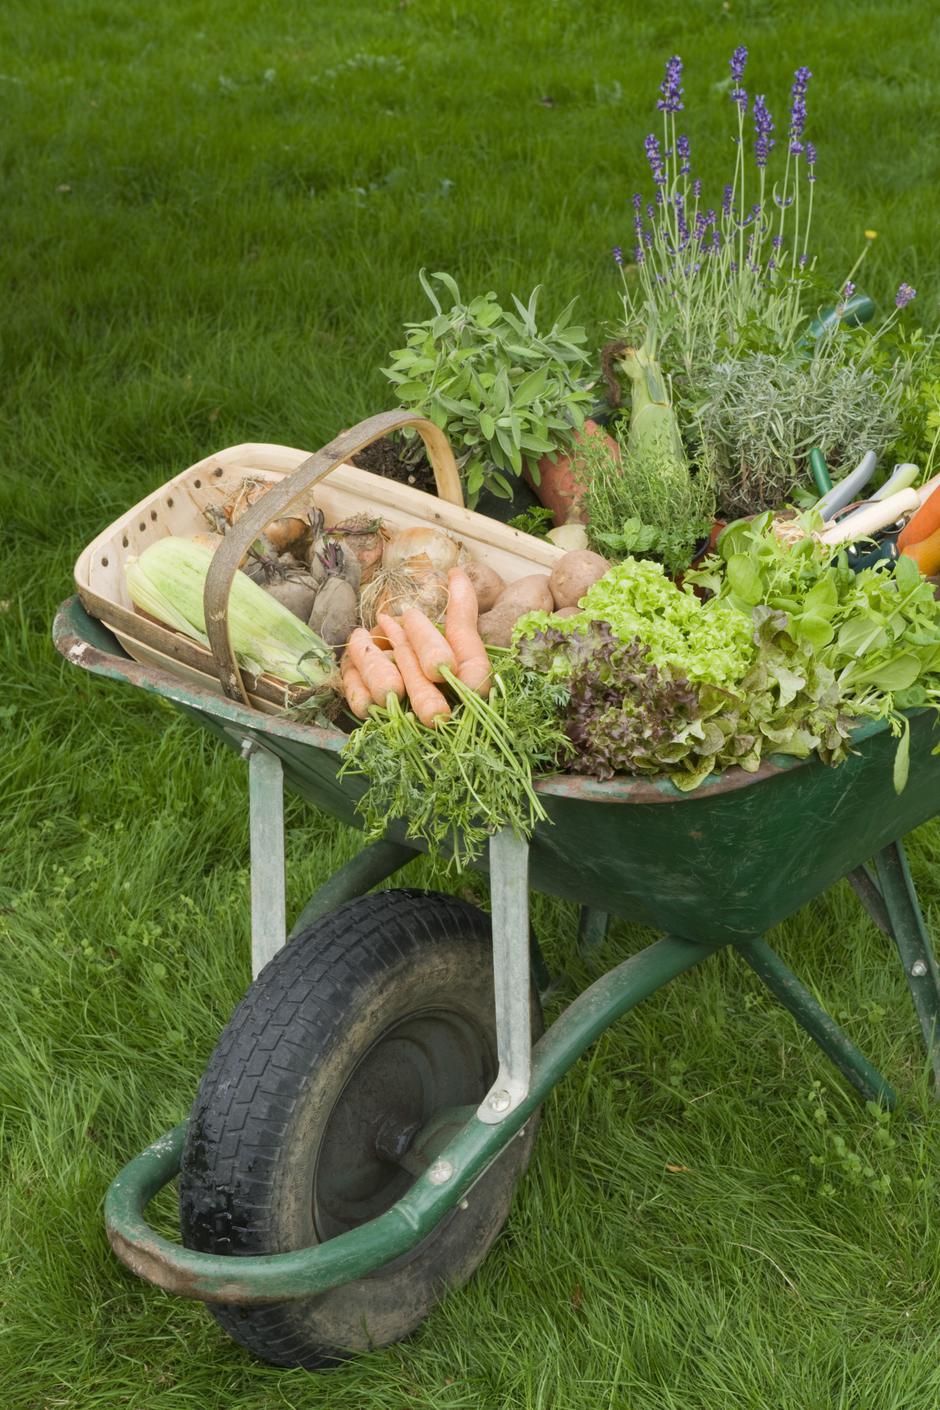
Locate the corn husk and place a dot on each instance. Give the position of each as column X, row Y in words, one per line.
column 167, row 581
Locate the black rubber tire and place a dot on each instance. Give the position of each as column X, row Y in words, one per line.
column 372, row 989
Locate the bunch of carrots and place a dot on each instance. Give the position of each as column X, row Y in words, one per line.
column 453, row 768
column 421, row 659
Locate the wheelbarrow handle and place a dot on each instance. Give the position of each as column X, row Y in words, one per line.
column 234, row 548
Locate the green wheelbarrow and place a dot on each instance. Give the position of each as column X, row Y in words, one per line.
column 358, row 1133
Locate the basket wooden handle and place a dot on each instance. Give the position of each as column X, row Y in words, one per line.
column 233, row 549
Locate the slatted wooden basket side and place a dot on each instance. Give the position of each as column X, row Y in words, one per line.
column 178, row 507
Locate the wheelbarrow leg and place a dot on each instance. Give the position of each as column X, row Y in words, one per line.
column 266, row 826
column 593, row 926
column 509, row 898
column 910, row 936
column 868, row 892
column 809, row 1014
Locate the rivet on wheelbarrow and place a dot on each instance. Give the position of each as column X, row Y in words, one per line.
column 918, row 969
column 499, row 1101
column 440, row 1172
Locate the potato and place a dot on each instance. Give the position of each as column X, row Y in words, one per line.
column 487, row 584
column 529, row 594
column 566, row 612
column 495, row 626
column 573, row 575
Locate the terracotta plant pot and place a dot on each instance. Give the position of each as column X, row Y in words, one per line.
column 559, row 488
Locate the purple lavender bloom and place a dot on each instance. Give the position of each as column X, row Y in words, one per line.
column 726, row 200
column 738, row 93
column 684, row 151
column 637, row 201
column 671, row 87
column 618, row 254
column 696, row 188
column 655, row 159
column 801, row 80
column 777, row 241
column 848, row 289
column 638, row 255
column 810, row 162
column 763, row 127
column 803, row 261
column 904, row 295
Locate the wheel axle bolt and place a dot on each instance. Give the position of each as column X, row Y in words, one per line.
column 918, row 969
column 440, row 1172
column 500, row 1101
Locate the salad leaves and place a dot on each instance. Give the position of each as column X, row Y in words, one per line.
column 788, row 652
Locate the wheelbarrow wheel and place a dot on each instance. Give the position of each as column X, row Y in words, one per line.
column 357, row 1033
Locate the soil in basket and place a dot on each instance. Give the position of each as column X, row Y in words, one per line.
column 394, row 458
column 385, row 457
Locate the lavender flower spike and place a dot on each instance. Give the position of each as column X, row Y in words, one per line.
column 848, row 289
column 683, row 151
column 810, row 162
column 763, row 127
column 904, row 295
column 801, row 80
column 671, row 87
column 654, row 157
column 738, row 93
column 617, row 254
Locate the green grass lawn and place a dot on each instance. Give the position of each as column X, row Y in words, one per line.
column 212, row 220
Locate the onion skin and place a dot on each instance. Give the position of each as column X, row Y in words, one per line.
column 420, row 549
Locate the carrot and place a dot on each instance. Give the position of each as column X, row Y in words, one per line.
column 426, row 700
column 925, row 553
column 924, row 523
column 380, row 676
column 460, row 629
column 432, row 650
column 357, row 697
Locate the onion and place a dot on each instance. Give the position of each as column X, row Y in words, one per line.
column 420, row 549
column 394, row 593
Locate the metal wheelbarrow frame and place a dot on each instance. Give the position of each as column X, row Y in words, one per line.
column 713, row 868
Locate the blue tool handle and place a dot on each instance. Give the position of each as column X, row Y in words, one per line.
column 848, row 488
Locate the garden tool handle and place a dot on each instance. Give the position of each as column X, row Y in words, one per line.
column 234, row 548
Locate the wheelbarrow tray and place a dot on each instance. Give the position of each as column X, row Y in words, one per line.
column 712, row 868
column 718, row 865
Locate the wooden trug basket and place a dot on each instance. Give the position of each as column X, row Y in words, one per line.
column 301, row 480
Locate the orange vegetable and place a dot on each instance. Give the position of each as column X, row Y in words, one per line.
column 380, row 676
column 354, row 688
column 460, row 629
column 426, row 700
column 925, row 553
column 432, row 650
column 924, row 523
